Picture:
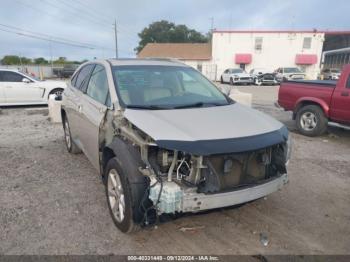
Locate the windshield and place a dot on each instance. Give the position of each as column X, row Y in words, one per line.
column 237, row 71
column 335, row 71
column 165, row 87
column 292, row 70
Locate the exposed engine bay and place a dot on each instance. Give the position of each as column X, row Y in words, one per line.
column 185, row 182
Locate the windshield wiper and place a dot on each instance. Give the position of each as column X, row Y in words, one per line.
column 150, row 107
column 199, row 104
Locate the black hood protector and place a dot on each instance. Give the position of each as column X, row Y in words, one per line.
column 228, row 145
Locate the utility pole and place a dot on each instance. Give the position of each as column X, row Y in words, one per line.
column 116, row 38
column 212, row 28
column 51, row 58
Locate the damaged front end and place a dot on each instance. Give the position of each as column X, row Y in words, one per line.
column 185, row 181
column 195, row 183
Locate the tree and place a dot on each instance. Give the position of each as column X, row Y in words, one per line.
column 15, row 60
column 40, row 61
column 60, row 60
column 167, row 32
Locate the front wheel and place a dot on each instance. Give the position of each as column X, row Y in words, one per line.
column 221, row 80
column 231, row 81
column 311, row 120
column 71, row 146
column 257, row 82
column 57, row 91
column 119, row 197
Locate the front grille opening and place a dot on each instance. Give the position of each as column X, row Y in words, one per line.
column 227, row 172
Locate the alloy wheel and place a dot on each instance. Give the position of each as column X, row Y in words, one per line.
column 116, row 197
column 308, row 121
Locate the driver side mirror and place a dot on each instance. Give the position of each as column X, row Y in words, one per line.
column 25, row 80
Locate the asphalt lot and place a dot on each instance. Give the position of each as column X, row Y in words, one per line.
column 52, row 202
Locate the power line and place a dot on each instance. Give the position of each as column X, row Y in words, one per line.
column 45, row 39
column 74, row 14
column 52, row 37
column 61, row 40
column 125, row 33
column 87, row 10
column 38, row 10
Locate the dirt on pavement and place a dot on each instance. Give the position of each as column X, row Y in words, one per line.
column 53, row 202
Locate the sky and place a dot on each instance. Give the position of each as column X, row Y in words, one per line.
column 89, row 23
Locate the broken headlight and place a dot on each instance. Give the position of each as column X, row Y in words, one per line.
column 288, row 148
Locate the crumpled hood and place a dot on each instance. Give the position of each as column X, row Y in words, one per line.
column 214, row 128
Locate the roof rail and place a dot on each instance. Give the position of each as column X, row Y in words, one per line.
column 170, row 59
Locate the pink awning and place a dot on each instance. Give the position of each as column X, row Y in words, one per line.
column 243, row 58
column 305, row 59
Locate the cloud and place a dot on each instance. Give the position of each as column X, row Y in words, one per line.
column 90, row 21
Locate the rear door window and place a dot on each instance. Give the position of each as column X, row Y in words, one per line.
column 74, row 79
column 83, row 76
column 97, row 88
column 8, row 76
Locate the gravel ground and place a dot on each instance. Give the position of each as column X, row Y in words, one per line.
column 52, row 202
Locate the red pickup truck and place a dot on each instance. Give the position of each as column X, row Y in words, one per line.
column 317, row 104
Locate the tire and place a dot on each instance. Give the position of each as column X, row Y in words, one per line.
column 123, row 214
column 231, row 81
column 221, row 80
column 311, row 120
column 257, row 82
column 57, row 92
column 71, row 146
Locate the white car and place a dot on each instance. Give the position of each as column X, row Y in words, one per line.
column 289, row 73
column 17, row 88
column 236, row 76
column 263, row 76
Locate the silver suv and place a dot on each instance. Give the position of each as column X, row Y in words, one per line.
column 166, row 140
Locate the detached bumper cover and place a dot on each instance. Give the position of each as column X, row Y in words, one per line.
column 193, row 202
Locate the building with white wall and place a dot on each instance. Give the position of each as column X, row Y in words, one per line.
column 267, row 49
column 257, row 49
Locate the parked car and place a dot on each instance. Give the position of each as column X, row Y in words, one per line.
column 18, row 88
column 316, row 104
column 66, row 72
column 289, row 73
column 331, row 74
column 262, row 76
column 236, row 76
column 166, row 140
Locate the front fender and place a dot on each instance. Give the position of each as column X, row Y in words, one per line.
column 312, row 100
column 129, row 158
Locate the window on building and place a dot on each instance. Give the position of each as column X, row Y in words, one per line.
column 307, row 43
column 258, row 43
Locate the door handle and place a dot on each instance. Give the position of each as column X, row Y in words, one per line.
column 344, row 93
column 80, row 108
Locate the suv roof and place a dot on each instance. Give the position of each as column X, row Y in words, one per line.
column 147, row 61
